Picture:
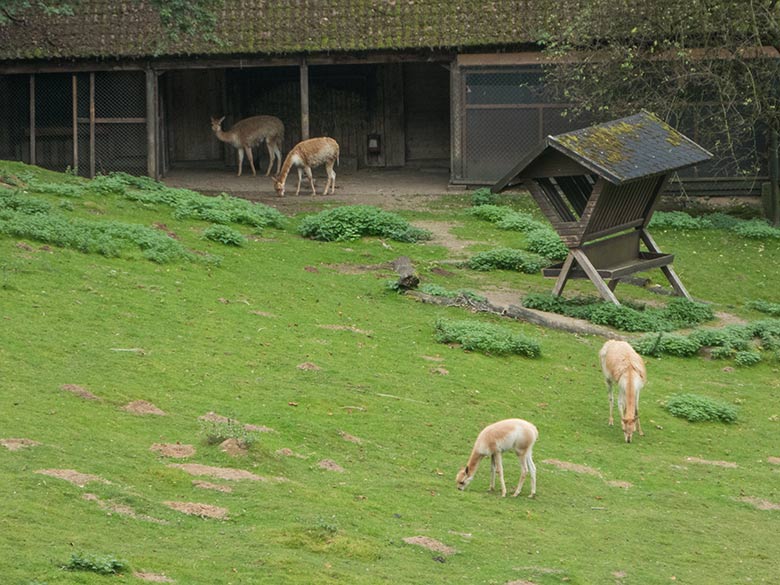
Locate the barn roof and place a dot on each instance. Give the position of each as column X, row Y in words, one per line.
column 621, row 150
column 132, row 28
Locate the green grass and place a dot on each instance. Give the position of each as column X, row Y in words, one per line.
column 195, row 337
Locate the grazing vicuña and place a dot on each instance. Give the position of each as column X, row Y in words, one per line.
column 624, row 366
column 305, row 155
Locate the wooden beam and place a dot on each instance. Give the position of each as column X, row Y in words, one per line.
column 75, row 96
column 593, row 275
column 151, row 124
column 668, row 271
column 92, row 125
column 32, row 119
column 564, row 275
column 304, row 73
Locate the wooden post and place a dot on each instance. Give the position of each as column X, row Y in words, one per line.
column 75, row 124
column 92, row 125
column 456, row 122
column 774, row 180
column 32, row 119
column 304, row 71
column 151, row 124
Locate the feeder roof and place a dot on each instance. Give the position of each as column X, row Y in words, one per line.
column 630, row 148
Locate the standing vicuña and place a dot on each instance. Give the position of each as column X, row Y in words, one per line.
column 513, row 434
column 305, row 155
column 250, row 132
column 624, row 366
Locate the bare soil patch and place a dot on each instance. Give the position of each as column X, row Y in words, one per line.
column 218, row 472
column 575, row 467
column 620, row 484
column 121, row 509
column 432, row 358
column 430, row 544
column 520, row 582
column 143, row 407
column 345, row 328
column 18, row 444
column 773, row 460
column 73, row 476
column 79, row 391
column 207, row 485
column 440, row 371
column 760, row 503
column 350, row 438
column 728, row 464
column 153, row 577
column 175, row 450
column 359, row 268
column 330, row 465
column 442, row 235
column 233, row 447
column 263, row 314
column 218, row 418
column 286, row 452
column 197, row 509
column 309, row 367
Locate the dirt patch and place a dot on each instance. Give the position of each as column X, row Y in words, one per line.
column 501, row 297
column 153, row 577
column 175, row 450
column 286, row 452
column 196, row 509
column 350, row 438
column 359, row 268
column 309, row 367
column 575, row 467
column 728, row 464
column 330, row 465
column 432, row 358
column 442, row 235
column 218, row 418
column 441, row 371
column 620, row 484
column 263, row 314
column 520, row 582
column 773, row 460
column 345, row 328
column 73, row 476
column 233, row 447
column 143, row 407
column 728, row 319
column 121, row 509
column 18, row 444
column 207, row 485
column 218, row 472
column 164, row 228
column 760, row 503
column 79, row 391
column 430, row 544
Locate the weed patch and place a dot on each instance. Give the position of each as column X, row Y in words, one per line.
column 507, row 259
column 102, row 565
column 343, row 224
column 696, row 408
column 486, row 338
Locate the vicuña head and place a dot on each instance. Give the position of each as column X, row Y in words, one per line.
column 463, row 478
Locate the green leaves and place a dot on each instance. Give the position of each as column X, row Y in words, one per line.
column 344, row 224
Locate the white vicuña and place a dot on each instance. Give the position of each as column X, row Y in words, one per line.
column 250, row 132
column 624, row 366
column 306, row 155
column 512, row 434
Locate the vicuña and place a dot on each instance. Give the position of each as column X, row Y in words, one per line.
column 513, row 434
column 624, row 366
column 307, row 155
column 248, row 133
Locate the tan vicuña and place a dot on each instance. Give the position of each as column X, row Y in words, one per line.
column 624, row 366
column 306, row 155
column 249, row 132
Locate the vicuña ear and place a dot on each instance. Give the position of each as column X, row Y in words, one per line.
column 466, row 470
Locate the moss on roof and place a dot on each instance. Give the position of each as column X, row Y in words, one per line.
column 132, row 28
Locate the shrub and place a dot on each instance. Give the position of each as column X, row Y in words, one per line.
column 103, row 565
column 722, row 221
column 686, row 313
column 696, row 408
column 491, row 213
column 483, row 196
column 486, row 338
column 519, row 222
column 747, row 358
column 224, row 235
column 546, row 243
column 218, row 431
column 757, row 229
column 507, row 259
column 765, row 307
column 342, row 224
column 678, row 220
column 668, row 344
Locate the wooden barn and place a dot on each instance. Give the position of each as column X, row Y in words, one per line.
column 437, row 84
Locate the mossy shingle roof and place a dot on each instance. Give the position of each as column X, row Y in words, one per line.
column 132, row 28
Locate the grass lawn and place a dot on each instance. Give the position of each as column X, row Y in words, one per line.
column 366, row 418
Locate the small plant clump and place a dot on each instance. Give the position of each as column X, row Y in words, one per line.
column 772, row 309
column 507, row 259
column 344, row 224
column 224, row 235
column 218, row 431
column 679, row 313
column 483, row 196
column 757, row 229
column 696, row 408
column 486, row 338
column 440, row 291
column 102, row 565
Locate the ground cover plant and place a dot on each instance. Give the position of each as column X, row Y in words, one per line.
column 111, row 368
column 696, row 408
column 486, row 338
column 343, row 224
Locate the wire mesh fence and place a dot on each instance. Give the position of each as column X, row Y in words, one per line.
column 85, row 123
